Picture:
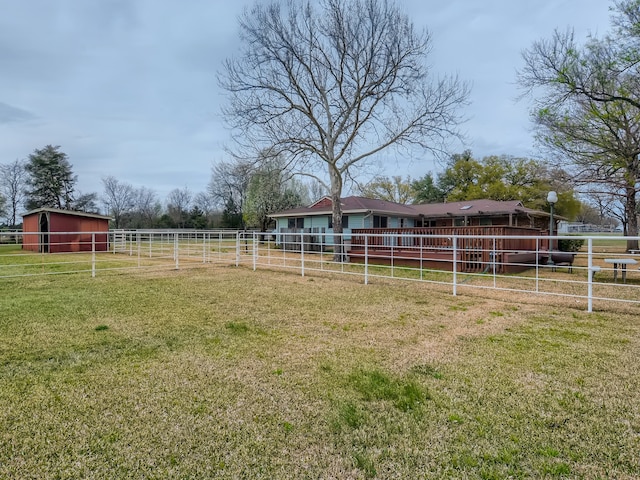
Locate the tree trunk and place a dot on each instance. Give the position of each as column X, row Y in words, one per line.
column 336, row 213
column 630, row 208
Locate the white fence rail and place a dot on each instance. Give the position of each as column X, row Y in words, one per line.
column 602, row 271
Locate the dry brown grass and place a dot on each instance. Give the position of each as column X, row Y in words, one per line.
column 229, row 373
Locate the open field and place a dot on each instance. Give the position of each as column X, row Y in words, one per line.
column 223, row 372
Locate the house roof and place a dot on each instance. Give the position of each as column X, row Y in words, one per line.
column 67, row 212
column 351, row 205
column 473, row 208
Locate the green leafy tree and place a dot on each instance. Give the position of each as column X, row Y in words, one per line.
column 232, row 215
column 86, row 202
column 505, row 178
column 391, row 189
column 328, row 85
column 197, row 218
column 50, row 181
column 427, row 190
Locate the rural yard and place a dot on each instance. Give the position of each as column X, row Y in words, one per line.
column 224, row 372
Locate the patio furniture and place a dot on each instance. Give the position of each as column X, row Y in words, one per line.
column 623, row 262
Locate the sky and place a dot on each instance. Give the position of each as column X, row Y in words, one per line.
column 129, row 88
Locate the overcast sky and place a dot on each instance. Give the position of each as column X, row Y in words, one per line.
column 128, row 87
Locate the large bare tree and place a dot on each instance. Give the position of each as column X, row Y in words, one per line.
column 587, row 106
column 329, row 84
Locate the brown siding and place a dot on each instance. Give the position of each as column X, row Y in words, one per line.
column 31, row 241
column 78, row 240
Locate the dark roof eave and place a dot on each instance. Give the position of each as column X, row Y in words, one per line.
column 67, row 212
column 315, row 213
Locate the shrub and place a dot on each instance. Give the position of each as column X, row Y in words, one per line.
column 570, row 245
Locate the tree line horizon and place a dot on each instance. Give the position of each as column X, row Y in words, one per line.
column 239, row 195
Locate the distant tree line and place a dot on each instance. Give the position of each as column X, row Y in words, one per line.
column 243, row 194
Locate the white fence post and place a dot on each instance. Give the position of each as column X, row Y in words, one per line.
column 256, row 246
column 93, row 255
column 537, row 265
column 176, row 253
column 204, row 247
column 590, row 273
column 366, row 258
column 495, row 261
column 238, row 234
column 455, row 265
column 302, row 252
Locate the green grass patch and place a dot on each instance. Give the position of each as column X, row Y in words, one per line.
column 230, row 373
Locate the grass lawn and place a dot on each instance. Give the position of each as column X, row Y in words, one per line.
column 230, row 373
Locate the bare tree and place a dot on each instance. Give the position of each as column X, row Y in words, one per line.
column 178, row 205
column 316, row 190
column 229, row 183
column 146, row 208
column 205, row 203
column 118, row 198
column 328, row 85
column 13, row 180
column 587, row 106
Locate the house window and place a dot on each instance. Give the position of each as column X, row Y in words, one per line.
column 380, row 221
column 403, row 222
column 345, row 221
column 485, row 221
column 459, row 222
column 296, row 222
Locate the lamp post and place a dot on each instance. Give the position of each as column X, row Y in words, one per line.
column 552, row 198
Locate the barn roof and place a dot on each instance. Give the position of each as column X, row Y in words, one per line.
column 67, row 212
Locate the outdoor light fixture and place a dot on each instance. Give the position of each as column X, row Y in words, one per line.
column 552, row 198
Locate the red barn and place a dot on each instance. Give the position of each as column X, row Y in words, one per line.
column 50, row 230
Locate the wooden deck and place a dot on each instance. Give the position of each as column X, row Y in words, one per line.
column 478, row 249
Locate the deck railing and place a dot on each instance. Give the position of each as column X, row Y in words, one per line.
column 476, row 247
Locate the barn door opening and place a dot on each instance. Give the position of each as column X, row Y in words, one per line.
column 44, row 232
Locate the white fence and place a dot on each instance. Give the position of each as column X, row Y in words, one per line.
column 602, row 271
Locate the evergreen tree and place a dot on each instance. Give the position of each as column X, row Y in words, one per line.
column 50, row 181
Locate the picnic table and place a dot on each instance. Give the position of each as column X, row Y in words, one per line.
column 623, row 262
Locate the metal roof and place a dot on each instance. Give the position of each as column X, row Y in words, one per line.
column 67, row 212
